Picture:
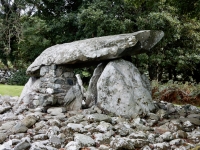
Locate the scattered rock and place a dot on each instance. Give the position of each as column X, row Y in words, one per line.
column 36, row 130
column 19, row 128
column 29, row 121
column 3, row 137
column 84, row 140
column 22, row 145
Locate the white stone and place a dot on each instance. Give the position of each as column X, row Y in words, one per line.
column 76, row 127
column 167, row 136
column 49, row 90
column 72, row 146
column 104, row 126
column 138, row 135
column 84, row 140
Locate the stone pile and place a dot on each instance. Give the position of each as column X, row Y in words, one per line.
column 169, row 127
column 5, row 75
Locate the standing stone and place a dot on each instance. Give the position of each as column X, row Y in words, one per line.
column 122, row 91
column 73, row 98
column 91, row 94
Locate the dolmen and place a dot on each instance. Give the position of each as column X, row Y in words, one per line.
column 116, row 87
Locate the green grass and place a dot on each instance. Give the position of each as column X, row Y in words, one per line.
column 11, row 90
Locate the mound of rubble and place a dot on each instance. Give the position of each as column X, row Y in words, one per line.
column 169, row 127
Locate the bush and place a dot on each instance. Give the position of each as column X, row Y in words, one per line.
column 177, row 92
column 19, row 78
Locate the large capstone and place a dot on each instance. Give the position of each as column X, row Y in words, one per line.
column 122, row 90
column 93, row 50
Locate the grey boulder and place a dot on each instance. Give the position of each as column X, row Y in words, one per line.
column 96, row 49
column 122, row 91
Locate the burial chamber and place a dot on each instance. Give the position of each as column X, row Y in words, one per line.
column 53, row 82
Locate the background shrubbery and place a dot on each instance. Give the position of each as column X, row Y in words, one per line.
column 19, row 78
column 176, row 92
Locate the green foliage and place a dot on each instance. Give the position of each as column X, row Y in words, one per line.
column 19, row 78
column 34, row 39
column 23, row 36
column 102, row 18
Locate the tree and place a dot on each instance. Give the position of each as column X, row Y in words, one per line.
column 10, row 28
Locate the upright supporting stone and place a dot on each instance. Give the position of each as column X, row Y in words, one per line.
column 91, row 94
column 122, row 91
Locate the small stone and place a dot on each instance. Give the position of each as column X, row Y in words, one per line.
column 55, row 141
column 188, row 126
column 180, row 134
column 103, row 147
column 146, row 148
column 167, row 136
column 54, row 130
column 98, row 117
column 44, row 70
column 3, row 137
column 54, row 122
column 153, row 116
column 22, row 145
column 104, row 126
column 177, row 142
column 40, row 125
column 73, row 146
column 6, row 146
column 76, row 127
column 122, row 130
column 17, row 136
column 84, row 140
column 163, row 146
column 75, row 119
column 7, row 125
column 29, row 121
column 122, row 143
column 137, row 135
column 41, row 146
column 151, row 137
column 19, row 128
column 169, row 126
column 56, row 110
column 103, row 138
column 40, row 137
column 161, row 113
column 4, row 109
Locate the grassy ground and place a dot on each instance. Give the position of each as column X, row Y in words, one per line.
column 11, row 90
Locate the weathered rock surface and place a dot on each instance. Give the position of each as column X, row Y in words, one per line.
column 73, row 98
column 36, row 130
column 97, row 49
column 29, row 90
column 91, row 94
column 122, row 91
